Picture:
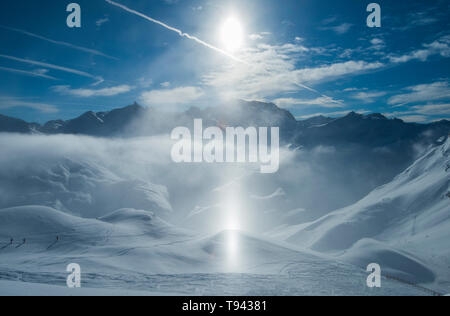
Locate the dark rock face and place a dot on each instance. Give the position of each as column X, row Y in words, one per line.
column 13, row 125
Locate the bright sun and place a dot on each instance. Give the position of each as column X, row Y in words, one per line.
column 232, row 34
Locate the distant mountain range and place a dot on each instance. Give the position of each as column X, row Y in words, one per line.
column 134, row 120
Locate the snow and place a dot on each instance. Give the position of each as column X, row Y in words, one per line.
column 394, row 263
column 134, row 250
column 38, row 171
column 411, row 213
column 103, row 209
column 8, row 288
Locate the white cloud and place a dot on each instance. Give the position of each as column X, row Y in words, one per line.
column 432, row 109
column 417, row 19
column 423, row 113
column 353, row 89
column 323, row 101
column 309, row 75
column 414, row 118
column 255, row 37
column 329, row 20
column 338, row 29
column 36, row 73
column 273, row 70
column 144, row 82
column 377, row 44
column 259, row 36
column 100, row 22
column 60, row 43
column 427, row 109
column 87, row 93
column 423, row 93
column 376, row 41
column 440, row 47
column 266, row 75
column 368, row 97
column 173, row 29
column 56, row 67
column 171, row 97
column 165, row 84
column 12, row 103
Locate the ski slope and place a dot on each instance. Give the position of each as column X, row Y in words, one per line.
column 132, row 250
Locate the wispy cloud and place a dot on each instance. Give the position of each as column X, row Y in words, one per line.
column 432, row 109
column 173, row 29
column 338, row 29
column 414, row 118
column 274, row 71
column 27, row 73
column 243, row 61
column 60, row 43
column 8, row 103
column 86, row 93
column 255, row 37
column 171, row 97
column 428, row 111
column 259, row 36
column 415, row 19
column 422, row 93
column 331, row 114
column 323, row 101
column 335, row 70
column 439, row 47
column 368, row 97
column 102, row 21
column 377, row 44
column 56, row 67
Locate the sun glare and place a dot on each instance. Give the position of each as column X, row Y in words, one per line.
column 232, row 34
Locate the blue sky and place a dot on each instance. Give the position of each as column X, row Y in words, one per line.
column 308, row 56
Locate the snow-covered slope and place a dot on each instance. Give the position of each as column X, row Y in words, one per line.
column 134, row 250
column 412, row 213
column 99, row 209
column 77, row 175
column 127, row 239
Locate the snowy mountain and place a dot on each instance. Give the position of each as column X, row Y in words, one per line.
column 373, row 130
column 110, row 123
column 13, row 125
column 411, row 213
column 135, row 220
column 364, row 142
column 135, row 120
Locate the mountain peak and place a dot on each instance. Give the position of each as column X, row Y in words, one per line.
column 353, row 114
column 376, row 116
column 135, row 120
